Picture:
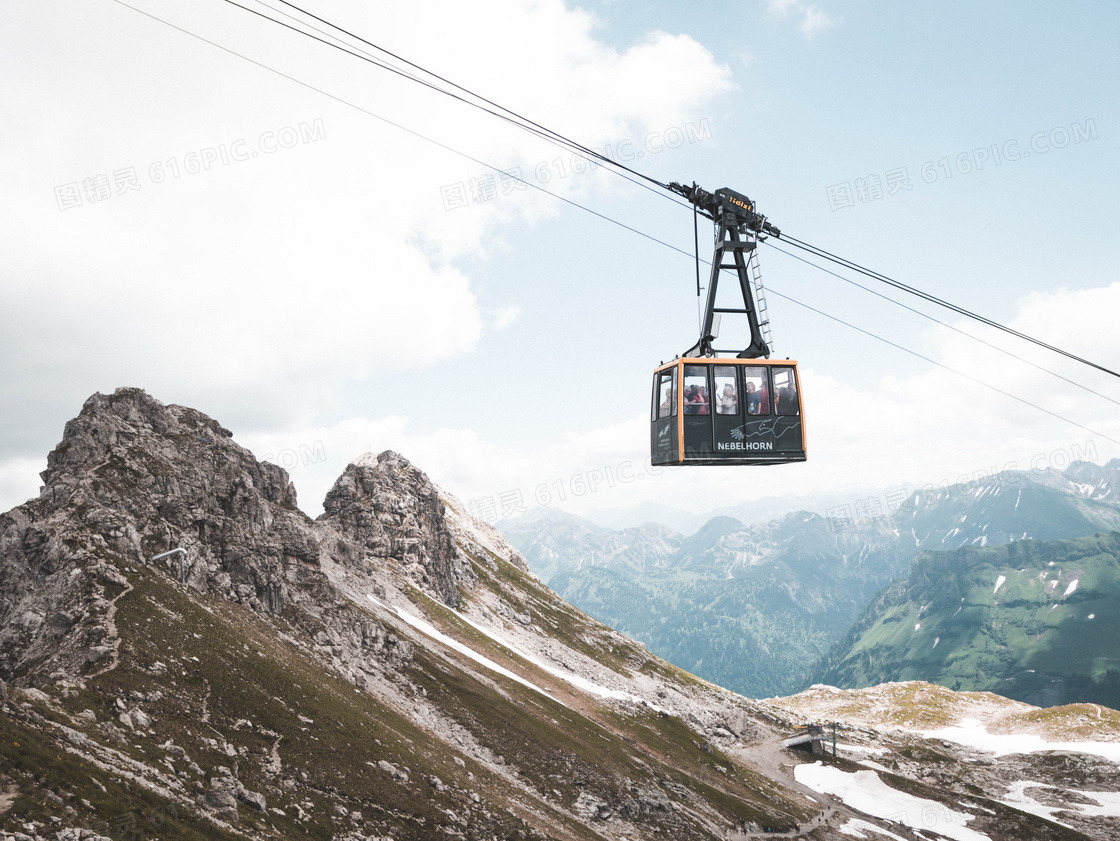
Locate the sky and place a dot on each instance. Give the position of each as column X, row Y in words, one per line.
column 330, row 258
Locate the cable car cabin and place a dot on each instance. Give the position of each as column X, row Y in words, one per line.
column 727, row 411
column 745, row 409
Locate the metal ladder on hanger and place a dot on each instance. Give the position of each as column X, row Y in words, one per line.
column 760, row 301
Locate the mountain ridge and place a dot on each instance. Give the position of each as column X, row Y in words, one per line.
column 388, row 670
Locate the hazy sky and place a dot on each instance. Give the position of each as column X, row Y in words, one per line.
column 314, row 251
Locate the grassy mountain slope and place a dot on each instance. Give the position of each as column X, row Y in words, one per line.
column 1034, row 620
column 222, row 687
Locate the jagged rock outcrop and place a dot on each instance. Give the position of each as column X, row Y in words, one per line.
column 226, row 792
column 133, row 478
column 391, row 509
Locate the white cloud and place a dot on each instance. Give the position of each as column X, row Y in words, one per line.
column 926, row 427
column 19, row 480
column 462, row 462
column 263, row 291
column 813, row 20
column 935, row 425
column 503, row 317
column 277, row 275
column 781, row 8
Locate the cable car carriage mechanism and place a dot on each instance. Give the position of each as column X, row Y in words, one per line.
column 741, row 409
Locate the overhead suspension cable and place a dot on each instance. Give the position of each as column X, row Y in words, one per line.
column 945, row 324
column 595, row 213
column 514, row 118
column 525, row 121
column 396, row 125
column 905, row 349
column 933, row 299
column 517, row 119
column 337, row 44
column 501, row 112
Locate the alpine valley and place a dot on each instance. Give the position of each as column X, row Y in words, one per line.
column 768, row 609
column 185, row 654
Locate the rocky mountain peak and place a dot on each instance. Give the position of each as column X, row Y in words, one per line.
column 391, row 509
column 134, row 478
column 130, row 432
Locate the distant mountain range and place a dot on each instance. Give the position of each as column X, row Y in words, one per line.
column 756, row 511
column 747, row 607
column 755, row 608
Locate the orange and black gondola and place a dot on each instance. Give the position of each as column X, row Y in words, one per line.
column 745, row 409
column 727, row 411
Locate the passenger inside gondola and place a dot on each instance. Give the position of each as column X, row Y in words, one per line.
column 728, row 404
column 786, row 402
column 699, row 400
column 695, row 396
column 758, row 396
column 726, row 398
column 665, row 409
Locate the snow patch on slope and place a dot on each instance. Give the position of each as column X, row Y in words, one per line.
column 856, row 828
column 972, row 733
column 1107, row 802
column 575, row 680
column 570, row 677
column 425, row 628
column 865, row 792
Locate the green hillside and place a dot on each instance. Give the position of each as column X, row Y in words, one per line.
column 1033, row 620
